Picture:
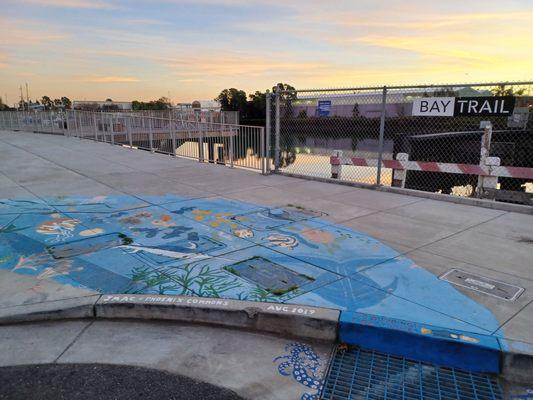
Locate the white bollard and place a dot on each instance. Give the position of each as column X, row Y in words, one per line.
column 399, row 175
column 491, row 182
column 336, row 170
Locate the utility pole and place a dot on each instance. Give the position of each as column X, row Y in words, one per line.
column 21, row 99
column 27, row 96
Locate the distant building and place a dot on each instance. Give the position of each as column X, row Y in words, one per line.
column 36, row 107
column 205, row 105
column 368, row 104
column 89, row 105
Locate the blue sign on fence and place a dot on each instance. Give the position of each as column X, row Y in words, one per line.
column 324, row 108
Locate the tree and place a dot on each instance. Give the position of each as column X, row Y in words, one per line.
column 288, row 94
column 233, row 100
column 501, row 90
column 4, row 107
column 162, row 103
column 66, row 102
column 47, row 103
column 444, row 92
column 290, row 91
column 355, row 111
column 257, row 105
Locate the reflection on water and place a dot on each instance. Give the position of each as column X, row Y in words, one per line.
column 318, row 165
column 248, row 159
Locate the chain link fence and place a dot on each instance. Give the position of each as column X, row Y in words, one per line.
column 358, row 134
column 182, row 134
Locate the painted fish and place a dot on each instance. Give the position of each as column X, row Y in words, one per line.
column 169, row 251
column 286, row 241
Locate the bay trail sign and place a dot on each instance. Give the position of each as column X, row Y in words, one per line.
column 495, row 106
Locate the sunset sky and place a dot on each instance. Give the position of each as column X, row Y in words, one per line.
column 94, row 49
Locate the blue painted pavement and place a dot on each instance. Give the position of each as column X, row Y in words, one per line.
column 225, row 248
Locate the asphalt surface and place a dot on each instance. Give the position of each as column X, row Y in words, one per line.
column 102, row 382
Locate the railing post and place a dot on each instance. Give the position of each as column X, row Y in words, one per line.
column 172, row 133
column 268, row 129
column 150, row 134
column 231, row 146
column 112, row 117
column 102, row 121
column 200, row 143
column 95, row 128
column 263, row 152
column 276, row 138
column 128, row 129
column 381, row 134
column 78, row 123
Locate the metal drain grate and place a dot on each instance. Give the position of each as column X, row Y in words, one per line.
column 364, row 374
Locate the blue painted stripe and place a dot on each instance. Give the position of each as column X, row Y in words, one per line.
column 449, row 348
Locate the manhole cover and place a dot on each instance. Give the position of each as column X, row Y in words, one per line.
column 365, row 374
column 273, row 277
column 483, row 284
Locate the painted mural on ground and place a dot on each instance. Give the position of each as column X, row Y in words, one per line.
column 224, row 248
column 305, row 366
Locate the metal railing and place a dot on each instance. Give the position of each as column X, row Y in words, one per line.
column 222, row 143
column 351, row 134
column 370, row 125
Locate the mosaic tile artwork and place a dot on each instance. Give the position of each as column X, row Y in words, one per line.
column 224, row 248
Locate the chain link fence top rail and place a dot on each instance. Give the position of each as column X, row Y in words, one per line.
column 367, row 125
column 204, row 136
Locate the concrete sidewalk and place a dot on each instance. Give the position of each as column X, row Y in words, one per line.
column 438, row 236
column 244, row 362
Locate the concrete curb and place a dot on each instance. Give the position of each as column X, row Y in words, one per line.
column 517, row 361
column 297, row 321
column 495, row 205
column 73, row 308
column 284, row 319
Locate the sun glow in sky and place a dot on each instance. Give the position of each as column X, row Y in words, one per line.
column 95, row 49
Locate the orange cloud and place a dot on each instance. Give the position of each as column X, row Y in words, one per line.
column 111, row 79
